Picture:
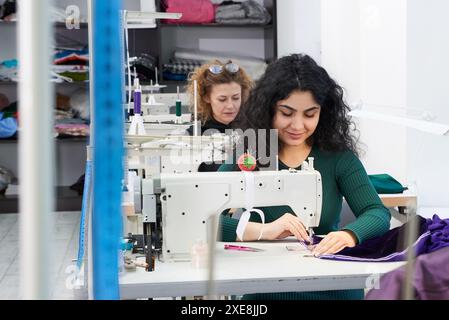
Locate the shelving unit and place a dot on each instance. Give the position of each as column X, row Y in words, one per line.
column 70, row 156
column 219, row 25
column 247, row 40
column 70, row 152
column 259, row 41
column 56, row 23
column 66, row 200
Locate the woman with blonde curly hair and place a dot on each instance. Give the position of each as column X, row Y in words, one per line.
column 221, row 89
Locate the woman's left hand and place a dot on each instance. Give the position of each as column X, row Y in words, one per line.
column 335, row 242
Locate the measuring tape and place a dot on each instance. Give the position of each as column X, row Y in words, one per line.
column 108, row 148
column 87, row 191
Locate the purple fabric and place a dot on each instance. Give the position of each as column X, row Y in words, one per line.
column 430, row 279
column 433, row 234
column 439, row 233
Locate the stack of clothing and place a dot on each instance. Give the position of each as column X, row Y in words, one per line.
column 6, row 178
column 179, row 69
column 254, row 67
column 65, row 130
column 241, row 12
column 145, row 66
column 193, row 11
column 8, row 10
column 8, row 70
column 71, row 65
column 72, row 114
column 219, row 11
column 68, row 66
column 8, row 117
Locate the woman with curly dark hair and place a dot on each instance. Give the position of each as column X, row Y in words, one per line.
column 301, row 73
column 305, row 105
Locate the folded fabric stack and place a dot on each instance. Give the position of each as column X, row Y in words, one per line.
column 179, row 69
column 8, row 70
column 71, row 65
column 8, row 10
column 255, row 67
column 386, row 184
column 144, row 65
column 241, row 12
column 219, row 11
column 72, row 129
column 193, row 11
column 8, row 126
column 7, row 177
column 68, row 66
column 71, row 57
column 64, row 115
column 72, row 114
column 8, row 117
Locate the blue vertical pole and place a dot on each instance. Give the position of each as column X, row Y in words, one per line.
column 108, row 149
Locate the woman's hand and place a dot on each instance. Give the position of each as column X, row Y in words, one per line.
column 285, row 226
column 335, row 242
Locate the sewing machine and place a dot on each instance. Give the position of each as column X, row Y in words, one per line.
column 163, row 103
column 158, row 113
column 189, row 200
column 150, row 156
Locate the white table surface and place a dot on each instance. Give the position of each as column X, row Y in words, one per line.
column 237, row 272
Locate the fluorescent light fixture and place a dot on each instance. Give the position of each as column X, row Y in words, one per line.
column 422, row 125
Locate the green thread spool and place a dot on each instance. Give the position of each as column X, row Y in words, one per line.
column 178, row 108
column 178, row 104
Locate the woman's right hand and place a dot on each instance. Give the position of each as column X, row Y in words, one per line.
column 285, row 226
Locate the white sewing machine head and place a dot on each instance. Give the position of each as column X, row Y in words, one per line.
column 189, row 200
column 175, row 153
column 148, row 156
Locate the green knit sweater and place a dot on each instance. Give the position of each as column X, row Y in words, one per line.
column 343, row 175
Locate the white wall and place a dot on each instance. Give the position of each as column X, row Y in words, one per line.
column 393, row 55
column 383, row 82
column 299, row 27
column 428, row 88
column 340, row 43
column 363, row 48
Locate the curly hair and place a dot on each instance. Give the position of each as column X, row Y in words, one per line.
column 334, row 131
column 206, row 80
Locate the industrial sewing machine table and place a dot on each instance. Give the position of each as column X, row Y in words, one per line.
column 275, row 269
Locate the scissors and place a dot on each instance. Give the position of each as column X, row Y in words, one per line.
column 241, row 248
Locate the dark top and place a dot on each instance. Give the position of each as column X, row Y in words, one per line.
column 211, row 124
column 218, row 127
